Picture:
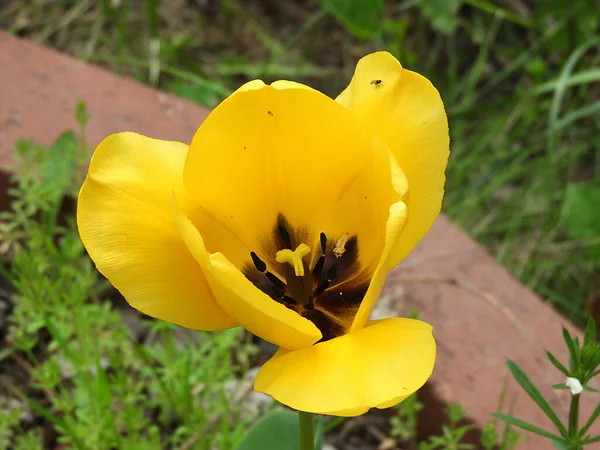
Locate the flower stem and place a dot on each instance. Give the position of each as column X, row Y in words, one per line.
column 574, row 420
column 306, row 430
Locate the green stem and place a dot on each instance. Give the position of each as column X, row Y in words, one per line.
column 574, row 417
column 306, row 430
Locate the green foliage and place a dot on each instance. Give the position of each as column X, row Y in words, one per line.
column 584, row 360
column 441, row 14
column 404, row 422
column 452, row 434
column 582, row 217
column 278, row 430
column 361, row 17
column 196, row 93
column 89, row 376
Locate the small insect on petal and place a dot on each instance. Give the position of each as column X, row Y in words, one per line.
column 377, row 83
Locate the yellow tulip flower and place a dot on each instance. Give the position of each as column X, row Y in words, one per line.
column 284, row 216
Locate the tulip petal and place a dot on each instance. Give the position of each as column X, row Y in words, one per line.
column 395, row 225
column 125, row 221
column 256, row 311
column 274, row 150
column 363, row 210
column 374, row 210
column 407, row 111
column 377, row 366
column 249, row 306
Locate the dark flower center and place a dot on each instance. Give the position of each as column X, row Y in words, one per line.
column 325, row 285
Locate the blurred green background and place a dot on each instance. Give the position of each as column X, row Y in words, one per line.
column 520, row 80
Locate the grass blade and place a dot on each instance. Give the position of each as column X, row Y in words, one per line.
column 527, row 426
column 535, row 394
column 590, row 421
column 556, row 363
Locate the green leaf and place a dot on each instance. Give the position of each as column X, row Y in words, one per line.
column 200, row 94
column 82, row 114
column 527, row 426
column 560, row 445
column 277, row 430
column 573, row 351
column 57, row 421
column 590, row 421
column 441, row 14
column 589, row 338
column 591, row 440
column 59, row 165
column 582, row 217
column 362, row 18
column 535, row 394
column 557, row 363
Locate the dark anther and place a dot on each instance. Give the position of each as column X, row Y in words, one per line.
column 323, row 242
column 310, row 304
column 278, row 291
column 332, row 272
column 316, row 273
column 321, row 288
column 289, row 300
column 273, row 279
column 285, row 236
column 258, row 263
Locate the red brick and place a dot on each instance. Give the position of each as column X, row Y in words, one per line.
column 38, row 91
column 475, row 336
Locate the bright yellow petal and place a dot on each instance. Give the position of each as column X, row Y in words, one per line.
column 256, row 311
column 395, row 225
column 380, row 364
column 270, row 150
column 125, row 221
column 407, row 111
column 249, row 306
column 364, row 209
column 374, row 210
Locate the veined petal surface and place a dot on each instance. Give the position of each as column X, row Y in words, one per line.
column 126, row 223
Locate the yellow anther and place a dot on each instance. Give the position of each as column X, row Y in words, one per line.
column 340, row 246
column 294, row 258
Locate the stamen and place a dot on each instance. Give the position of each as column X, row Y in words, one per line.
column 316, row 273
column 331, row 274
column 289, row 300
column 258, row 263
column 285, row 236
column 279, row 292
column 294, row 258
column 340, row 246
column 273, row 279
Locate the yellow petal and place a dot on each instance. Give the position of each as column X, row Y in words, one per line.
column 363, row 210
column 395, row 225
column 249, row 306
column 376, row 366
column 407, row 111
column 125, row 221
column 256, row 311
column 270, row 150
column 374, row 210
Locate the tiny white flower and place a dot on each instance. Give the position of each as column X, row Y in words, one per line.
column 574, row 385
